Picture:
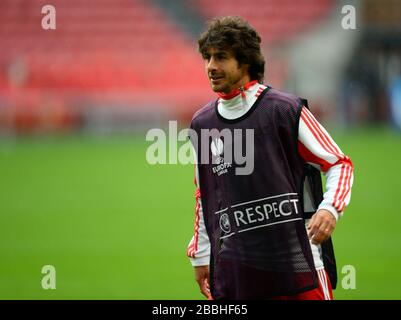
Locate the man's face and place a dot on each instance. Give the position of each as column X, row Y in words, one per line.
column 223, row 70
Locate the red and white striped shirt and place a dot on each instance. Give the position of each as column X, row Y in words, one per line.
column 315, row 146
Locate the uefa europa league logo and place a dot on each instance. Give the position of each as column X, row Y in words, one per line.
column 239, row 145
column 217, row 148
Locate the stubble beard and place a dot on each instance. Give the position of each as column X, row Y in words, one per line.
column 226, row 86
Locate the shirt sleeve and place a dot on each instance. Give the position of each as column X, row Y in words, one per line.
column 199, row 247
column 317, row 148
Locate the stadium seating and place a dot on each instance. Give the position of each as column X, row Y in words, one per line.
column 123, row 49
column 116, row 45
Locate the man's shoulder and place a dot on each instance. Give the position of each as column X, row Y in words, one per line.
column 283, row 97
column 281, row 105
column 205, row 111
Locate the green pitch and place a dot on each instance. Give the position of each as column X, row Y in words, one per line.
column 115, row 227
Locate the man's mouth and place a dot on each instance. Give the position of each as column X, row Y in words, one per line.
column 215, row 79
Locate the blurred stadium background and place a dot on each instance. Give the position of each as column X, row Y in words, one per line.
column 76, row 191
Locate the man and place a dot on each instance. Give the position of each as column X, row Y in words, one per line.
column 265, row 234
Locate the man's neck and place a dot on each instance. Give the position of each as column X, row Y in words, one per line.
column 239, row 105
column 240, row 89
column 241, row 83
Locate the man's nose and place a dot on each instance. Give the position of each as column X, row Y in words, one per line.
column 211, row 65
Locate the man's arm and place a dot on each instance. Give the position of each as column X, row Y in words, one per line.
column 199, row 247
column 317, row 148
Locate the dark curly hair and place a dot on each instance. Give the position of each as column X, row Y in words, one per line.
column 236, row 34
